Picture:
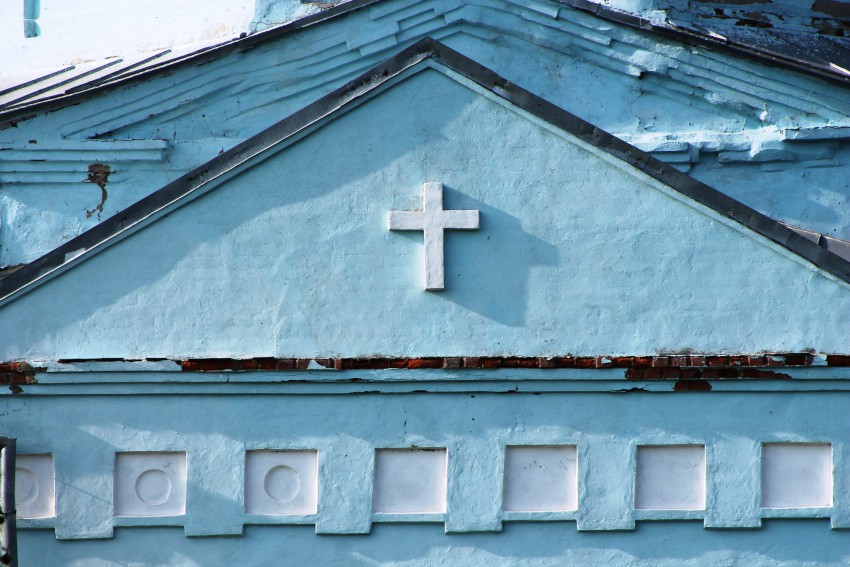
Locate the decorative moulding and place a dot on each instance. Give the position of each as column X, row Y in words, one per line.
column 670, row 477
column 540, row 479
column 796, row 475
column 150, row 484
column 281, row 482
column 34, row 486
column 410, row 481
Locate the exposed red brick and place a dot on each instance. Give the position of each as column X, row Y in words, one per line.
column 471, row 362
column 397, row 363
column 564, row 362
column 285, row 364
column 519, row 362
column 692, row 386
column 248, row 364
column 361, row 363
column 635, row 373
column 799, row 359
column 622, row 361
column 738, row 360
column 775, row 360
column 653, row 373
column 586, row 362
column 691, row 372
column 660, row 361
column 671, row 373
column 717, row 361
column 425, row 363
column 641, row 361
column 491, row 362
column 697, row 360
column 303, row 363
column 17, row 378
column 603, row 362
column 266, row 363
column 771, row 375
column 452, row 362
column 678, row 361
column 757, row 360
column 838, row 360
column 209, row 365
column 711, row 373
column 544, row 362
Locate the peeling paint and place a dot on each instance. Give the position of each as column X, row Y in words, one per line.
column 98, row 174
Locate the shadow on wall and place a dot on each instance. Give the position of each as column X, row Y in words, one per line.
column 496, row 284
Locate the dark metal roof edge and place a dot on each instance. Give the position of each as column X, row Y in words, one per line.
column 24, row 112
column 704, row 39
column 665, row 173
column 191, row 185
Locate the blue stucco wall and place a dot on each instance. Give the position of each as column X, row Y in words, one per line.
column 215, row 429
column 289, row 255
column 577, row 253
column 730, row 121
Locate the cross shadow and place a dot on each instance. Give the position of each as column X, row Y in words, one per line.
column 488, row 270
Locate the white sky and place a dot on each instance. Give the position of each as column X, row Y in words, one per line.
column 73, row 31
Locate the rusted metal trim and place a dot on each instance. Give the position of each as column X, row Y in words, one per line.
column 8, row 513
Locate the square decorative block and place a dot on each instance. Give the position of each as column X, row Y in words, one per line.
column 150, row 484
column 670, row 477
column 281, row 482
column 34, row 486
column 540, row 479
column 796, row 475
column 410, row 481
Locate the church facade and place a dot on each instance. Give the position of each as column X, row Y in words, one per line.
column 415, row 283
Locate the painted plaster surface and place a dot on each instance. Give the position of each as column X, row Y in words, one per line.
column 576, row 254
column 34, row 486
column 281, row 482
column 670, row 477
column 474, row 429
column 796, row 475
column 770, row 138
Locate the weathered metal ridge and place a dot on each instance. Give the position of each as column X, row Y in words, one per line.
column 199, row 180
column 142, row 71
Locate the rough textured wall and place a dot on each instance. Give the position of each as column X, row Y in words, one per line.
column 577, row 253
column 733, row 123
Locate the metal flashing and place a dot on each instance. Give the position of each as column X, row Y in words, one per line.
column 198, row 181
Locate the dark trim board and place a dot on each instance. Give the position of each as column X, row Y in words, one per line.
column 690, row 36
column 196, row 182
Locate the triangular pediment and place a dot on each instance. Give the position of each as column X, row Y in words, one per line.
column 281, row 247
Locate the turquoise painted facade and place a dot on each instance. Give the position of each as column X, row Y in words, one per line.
column 608, row 303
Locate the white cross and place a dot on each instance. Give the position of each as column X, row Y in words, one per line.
column 433, row 220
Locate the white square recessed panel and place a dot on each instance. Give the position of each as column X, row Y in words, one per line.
column 540, row 479
column 410, row 481
column 670, row 477
column 796, row 475
column 34, row 486
column 281, row 482
column 150, row 484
